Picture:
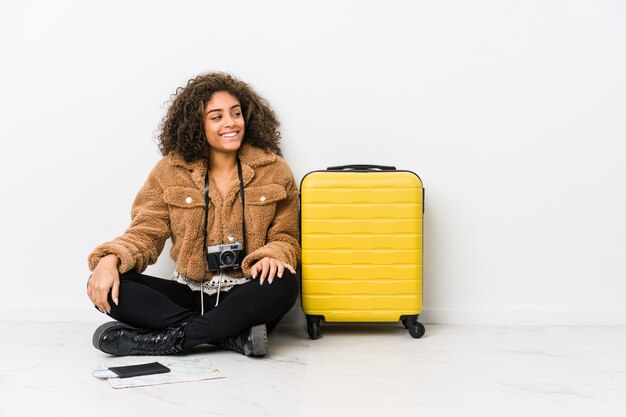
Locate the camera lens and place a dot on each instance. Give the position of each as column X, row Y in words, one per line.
column 228, row 258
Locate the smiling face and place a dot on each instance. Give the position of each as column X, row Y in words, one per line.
column 224, row 126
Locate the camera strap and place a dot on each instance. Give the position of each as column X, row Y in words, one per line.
column 206, row 210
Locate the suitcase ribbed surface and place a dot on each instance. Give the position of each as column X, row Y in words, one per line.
column 361, row 245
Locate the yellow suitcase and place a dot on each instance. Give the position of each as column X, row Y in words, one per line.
column 361, row 231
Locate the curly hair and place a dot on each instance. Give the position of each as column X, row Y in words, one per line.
column 182, row 128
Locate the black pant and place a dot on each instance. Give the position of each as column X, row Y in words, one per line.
column 153, row 303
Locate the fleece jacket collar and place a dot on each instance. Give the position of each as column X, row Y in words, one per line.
column 251, row 158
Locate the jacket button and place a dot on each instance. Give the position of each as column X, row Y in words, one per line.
column 188, row 200
column 231, row 238
column 262, row 198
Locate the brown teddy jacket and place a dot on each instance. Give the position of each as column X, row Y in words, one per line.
column 171, row 204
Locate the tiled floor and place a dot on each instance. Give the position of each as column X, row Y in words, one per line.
column 353, row 370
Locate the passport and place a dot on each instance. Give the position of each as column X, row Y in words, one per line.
column 128, row 371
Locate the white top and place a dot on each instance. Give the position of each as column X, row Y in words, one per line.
column 221, row 282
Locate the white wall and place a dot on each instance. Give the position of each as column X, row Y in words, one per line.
column 513, row 114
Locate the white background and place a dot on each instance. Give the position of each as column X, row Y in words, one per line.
column 513, row 113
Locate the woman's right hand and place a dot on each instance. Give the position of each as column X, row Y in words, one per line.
column 105, row 278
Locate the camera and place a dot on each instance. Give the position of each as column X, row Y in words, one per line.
column 224, row 256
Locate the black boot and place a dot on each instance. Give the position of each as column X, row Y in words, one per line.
column 120, row 339
column 252, row 342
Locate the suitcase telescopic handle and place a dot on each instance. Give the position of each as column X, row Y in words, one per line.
column 361, row 167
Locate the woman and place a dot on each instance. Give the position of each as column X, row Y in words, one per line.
column 219, row 138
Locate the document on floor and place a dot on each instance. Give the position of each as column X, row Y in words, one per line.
column 182, row 369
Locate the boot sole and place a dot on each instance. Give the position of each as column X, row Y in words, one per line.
column 258, row 339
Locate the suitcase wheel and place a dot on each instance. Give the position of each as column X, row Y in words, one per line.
column 416, row 329
column 313, row 328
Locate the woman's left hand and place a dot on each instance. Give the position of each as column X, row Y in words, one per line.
column 268, row 268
